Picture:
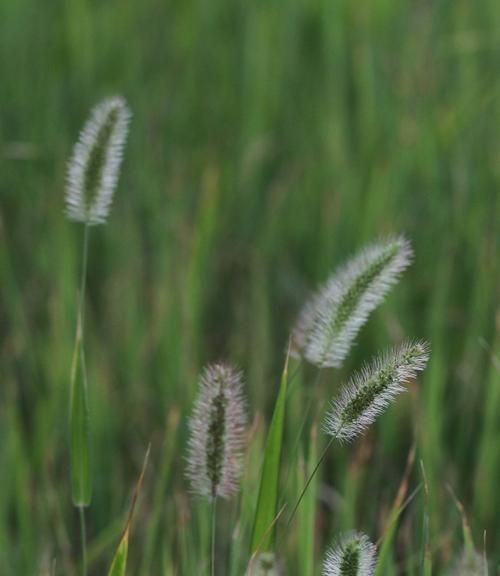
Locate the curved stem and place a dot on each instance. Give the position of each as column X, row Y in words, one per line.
column 302, row 426
column 309, row 480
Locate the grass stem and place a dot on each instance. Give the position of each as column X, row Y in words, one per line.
column 83, row 535
column 309, row 480
column 212, row 552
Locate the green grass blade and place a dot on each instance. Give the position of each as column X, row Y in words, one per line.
column 81, row 484
column 466, row 529
column 262, row 536
column 426, row 563
column 397, row 508
column 307, row 514
column 426, row 559
column 119, row 564
column 160, row 489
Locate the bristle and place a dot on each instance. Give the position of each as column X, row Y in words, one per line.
column 94, row 167
column 217, row 433
column 331, row 320
column 471, row 563
column 352, row 555
column 372, row 389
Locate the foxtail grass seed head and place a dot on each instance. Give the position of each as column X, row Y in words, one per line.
column 352, row 555
column 470, row 564
column 94, row 167
column 372, row 389
column 217, row 427
column 331, row 320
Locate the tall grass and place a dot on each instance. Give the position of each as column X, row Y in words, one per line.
column 271, row 141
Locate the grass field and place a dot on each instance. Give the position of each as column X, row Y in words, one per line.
column 269, row 142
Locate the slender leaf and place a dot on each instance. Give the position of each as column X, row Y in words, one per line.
column 262, row 537
column 426, row 559
column 81, row 485
column 307, row 514
column 119, row 564
column 397, row 508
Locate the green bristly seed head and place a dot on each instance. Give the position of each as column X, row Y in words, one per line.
column 217, row 433
column 215, row 441
column 372, row 389
column 353, row 294
column 350, row 561
column 96, row 162
column 331, row 320
column 94, row 167
column 352, row 555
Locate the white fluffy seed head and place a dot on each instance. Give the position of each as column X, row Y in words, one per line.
column 470, row 564
column 217, row 430
column 352, row 555
column 331, row 320
column 94, row 167
column 372, row 389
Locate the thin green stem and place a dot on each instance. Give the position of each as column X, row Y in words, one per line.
column 80, row 326
column 212, row 553
column 84, row 540
column 309, row 480
column 302, row 426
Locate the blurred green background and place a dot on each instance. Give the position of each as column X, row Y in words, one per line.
column 270, row 141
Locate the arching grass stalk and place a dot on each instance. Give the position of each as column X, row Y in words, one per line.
column 366, row 395
column 79, row 418
column 296, row 446
column 310, row 479
column 81, row 320
column 92, row 176
column 296, row 443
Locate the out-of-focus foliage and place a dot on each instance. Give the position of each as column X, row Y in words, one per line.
column 270, row 141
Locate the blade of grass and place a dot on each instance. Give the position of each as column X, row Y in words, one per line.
column 258, row 548
column 119, row 564
column 425, row 560
column 396, row 510
column 81, row 487
column 161, row 482
column 81, row 482
column 244, row 514
column 307, row 513
column 268, row 491
column 466, row 529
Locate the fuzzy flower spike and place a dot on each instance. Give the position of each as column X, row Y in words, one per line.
column 95, row 164
column 331, row 320
column 217, row 428
column 352, row 555
column 372, row 389
column 471, row 563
